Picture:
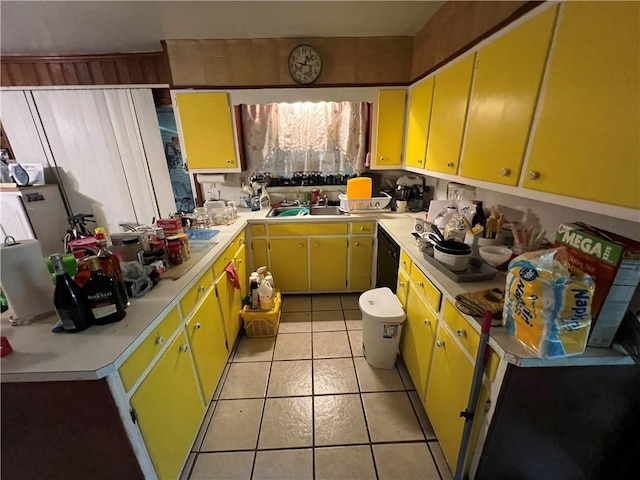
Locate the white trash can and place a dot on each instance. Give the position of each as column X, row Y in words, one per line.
column 382, row 318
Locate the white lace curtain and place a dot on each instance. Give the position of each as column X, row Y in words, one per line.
column 326, row 137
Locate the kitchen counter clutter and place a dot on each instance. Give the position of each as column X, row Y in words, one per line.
column 146, row 381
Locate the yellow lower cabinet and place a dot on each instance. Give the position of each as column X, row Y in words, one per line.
column 360, row 258
column 402, row 291
column 328, row 264
column 169, row 409
column 208, row 344
column 418, row 333
column 226, row 294
column 289, row 264
column 240, row 263
column 259, row 249
column 448, row 393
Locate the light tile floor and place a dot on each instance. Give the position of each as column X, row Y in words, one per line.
column 307, row 405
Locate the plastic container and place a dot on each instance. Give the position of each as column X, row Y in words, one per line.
column 359, row 187
column 375, row 204
column 382, row 318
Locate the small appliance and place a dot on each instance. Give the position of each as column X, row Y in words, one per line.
column 412, row 189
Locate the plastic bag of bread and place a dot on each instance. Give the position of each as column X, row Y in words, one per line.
column 548, row 303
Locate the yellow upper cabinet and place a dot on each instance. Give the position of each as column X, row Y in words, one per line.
column 506, row 86
column 448, row 113
column 208, row 136
column 420, row 97
column 389, row 128
column 586, row 142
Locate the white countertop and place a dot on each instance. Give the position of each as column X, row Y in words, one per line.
column 39, row 355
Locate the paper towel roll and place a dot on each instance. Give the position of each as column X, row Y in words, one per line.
column 207, row 178
column 25, row 280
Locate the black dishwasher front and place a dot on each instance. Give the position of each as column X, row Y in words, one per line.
column 388, row 260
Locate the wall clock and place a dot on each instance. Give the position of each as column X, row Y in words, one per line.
column 305, row 64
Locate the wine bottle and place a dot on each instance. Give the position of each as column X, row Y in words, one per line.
column 68, row 299
column 102, row 295
column 110, row 264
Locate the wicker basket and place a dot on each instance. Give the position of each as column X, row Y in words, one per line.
column 262, row 323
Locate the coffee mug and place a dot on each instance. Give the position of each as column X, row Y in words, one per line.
column 402, row 206
column 418, row 225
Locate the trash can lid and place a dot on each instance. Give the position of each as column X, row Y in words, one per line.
column 382, row 304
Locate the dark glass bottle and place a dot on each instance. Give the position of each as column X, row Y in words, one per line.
column 111, row 265
column 102, row 295
column 68, row 299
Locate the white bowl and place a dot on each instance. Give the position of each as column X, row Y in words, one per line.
column 455, row 263
column 495, row 255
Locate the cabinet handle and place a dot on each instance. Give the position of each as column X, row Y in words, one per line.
column 239, row 260
column 201, row 288
column 427, row 322
column 184, row 348
column 315, row 244
column 419, row 161
column 439, row 343
column 357, row 244
column 462, row 333
column 404, row 263
column 533, row 175
column 382, row 159
column 159, row 340
column 362, row 229
column 300, row 245
column 228, row 160
column 420, row 284
column 401, row 284
column 505, row 172
column 198, row 326
column 450, row 164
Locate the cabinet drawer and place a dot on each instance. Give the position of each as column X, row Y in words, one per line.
column 292, row 229
column 223, row 260
column 258, row 230
column 405, row 262
column 461, row 328
column 426, row 289
column 469, row 337
column 363, row 228
column 195, row 293
column 133, row 366
column 403, row 288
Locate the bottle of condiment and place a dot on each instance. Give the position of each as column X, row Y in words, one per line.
column 174, row 248
column 82, row 272
column 110, row 264
column 102, row 295
column 68, row 299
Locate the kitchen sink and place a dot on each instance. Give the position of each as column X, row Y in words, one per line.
column 297, row 211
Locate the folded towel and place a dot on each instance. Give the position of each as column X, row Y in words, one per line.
column 232, row 275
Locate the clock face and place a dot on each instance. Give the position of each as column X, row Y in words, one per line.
column 304, row 64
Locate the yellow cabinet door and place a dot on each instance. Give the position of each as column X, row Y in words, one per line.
column 448, row 113
column 289, row 264
column 207, row 131
column 208, row 344
column 328, row 264
column 418, row 333
column 259, row 249
column 402, row 290
column 585, row 143
column 360, row 259
column 448, row 393
column 507, row 81
column 169, row 409
column 389, row 128
column 420, row 98
column 240, row 263
column 227, row 295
